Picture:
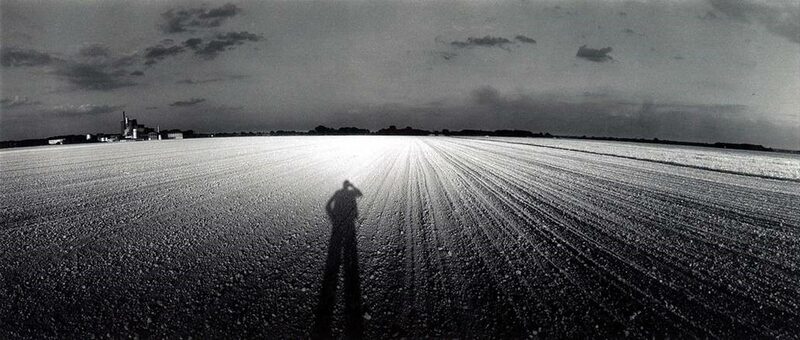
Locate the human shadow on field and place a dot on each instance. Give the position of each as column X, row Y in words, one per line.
column 342, row 210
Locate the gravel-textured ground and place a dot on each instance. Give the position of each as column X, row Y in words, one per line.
column 451, row 237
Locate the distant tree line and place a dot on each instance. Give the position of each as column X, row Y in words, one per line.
column 738, row 146
column 390, row 131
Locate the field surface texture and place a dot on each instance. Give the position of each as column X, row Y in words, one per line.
column 772, row 165
column 246, row 237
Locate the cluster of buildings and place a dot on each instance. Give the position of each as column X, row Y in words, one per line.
column 130, row 130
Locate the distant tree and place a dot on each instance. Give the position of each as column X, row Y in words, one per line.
column 322, row 130
column 407, row 131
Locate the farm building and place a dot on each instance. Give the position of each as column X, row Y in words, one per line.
column 175, row 135
column 130, row 129
column 106, row 139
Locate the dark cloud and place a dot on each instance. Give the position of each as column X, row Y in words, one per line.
column 737, row 9
column 596, row 55
column 524, row 39
column 123, row 61
column 193, row 43
column 239, row 36
column 137, row 73
column 17, row 101
column 201, row 81
column 190, row 102
column 92, row 68
column 622, row 14
column 95, row 67
column 487, row 41
column 780, row 18
column 224, row 11
column 16, row 57
column 101, row 55
column 95, row 50
column 205, row 48
column 156, row 53
column 485, row 95
column 191, row 81
column 93, row 76
column 181, row 20
column 223, row 42
column 82, row 110
column 176, row 20
column 632, row 32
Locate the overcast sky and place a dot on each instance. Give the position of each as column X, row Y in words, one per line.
column 688, row 70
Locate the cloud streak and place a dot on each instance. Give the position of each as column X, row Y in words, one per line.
column 190, row 102
column 82, row 110
column 182, row 20
column 525, row 40
column 17, row 101
column 156, row 53
column 17, row 57
column 208, row 48
column 95, row 50
column 220, row 43
column 93, row 68
column 190, row 81
column 596, row 55
column 487, row 41
column 94, row 76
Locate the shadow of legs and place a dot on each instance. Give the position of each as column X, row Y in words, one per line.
column 352, row 285
column 327, row 295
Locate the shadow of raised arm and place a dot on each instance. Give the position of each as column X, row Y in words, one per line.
column 329, row 206
column 356, row 191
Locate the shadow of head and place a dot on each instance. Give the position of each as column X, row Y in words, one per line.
column 342, row 206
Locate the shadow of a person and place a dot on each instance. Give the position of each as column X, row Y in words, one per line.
column 342, row 210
